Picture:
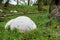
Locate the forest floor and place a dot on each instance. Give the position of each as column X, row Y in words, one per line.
column 40, row 18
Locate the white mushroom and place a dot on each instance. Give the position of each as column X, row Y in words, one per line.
column 22, row 23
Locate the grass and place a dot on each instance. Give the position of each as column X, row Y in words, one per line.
column 41, row 33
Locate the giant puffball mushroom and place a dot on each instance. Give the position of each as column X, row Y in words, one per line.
column 21, row 23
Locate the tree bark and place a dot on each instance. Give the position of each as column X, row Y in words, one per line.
column 52, row 14
column 28, row 2
column 6, row 4
column 0, row 2
column 40, row 5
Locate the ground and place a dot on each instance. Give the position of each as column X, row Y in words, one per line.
column 41, row 33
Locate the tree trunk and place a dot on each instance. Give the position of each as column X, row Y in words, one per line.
column 17, row 2
column 0, row 1
column 40, row 5
column 53, row 6
column 6, row 4
column 28, row 2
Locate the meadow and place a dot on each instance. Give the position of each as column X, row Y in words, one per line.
column 42, row 32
